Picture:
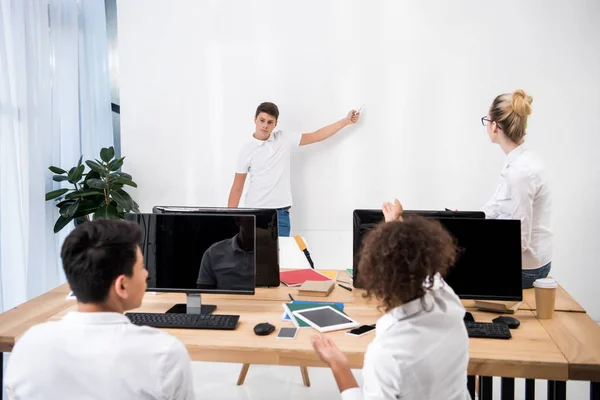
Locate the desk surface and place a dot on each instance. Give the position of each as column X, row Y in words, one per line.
column 539, row 349
column 564, row 301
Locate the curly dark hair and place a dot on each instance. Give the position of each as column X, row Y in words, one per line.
column 397, row 258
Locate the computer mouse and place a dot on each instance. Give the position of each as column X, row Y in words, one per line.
column 263, row 329
column 512, row 322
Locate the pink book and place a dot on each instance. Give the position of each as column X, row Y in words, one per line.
column 299, row 276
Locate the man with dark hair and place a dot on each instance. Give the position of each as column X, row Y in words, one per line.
column 266, row 157
column 96, row 352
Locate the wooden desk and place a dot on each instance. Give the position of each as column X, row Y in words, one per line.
column 578, row 338
column 531, row 353
column 564, row 301
column 567, row 347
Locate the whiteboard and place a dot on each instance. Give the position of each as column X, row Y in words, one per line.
column 193, row 72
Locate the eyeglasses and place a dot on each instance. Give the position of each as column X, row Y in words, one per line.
column 485, row 120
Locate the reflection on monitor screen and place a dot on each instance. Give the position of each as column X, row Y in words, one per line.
column 199, row 253
column 267, row 237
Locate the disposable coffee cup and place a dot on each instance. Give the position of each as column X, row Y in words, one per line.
column 545, row 297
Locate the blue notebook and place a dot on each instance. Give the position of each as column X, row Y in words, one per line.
column 286, row 317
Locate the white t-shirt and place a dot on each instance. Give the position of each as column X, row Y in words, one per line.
column 267, row 163
column 98, row 355
column 524, row 194
column 420, row 351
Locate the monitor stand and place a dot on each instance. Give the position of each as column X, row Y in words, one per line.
column 193, row 306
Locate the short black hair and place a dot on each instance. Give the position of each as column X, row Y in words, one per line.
column 96, row 253
column 268, row 108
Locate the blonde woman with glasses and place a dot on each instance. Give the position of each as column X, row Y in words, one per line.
column 523, row 192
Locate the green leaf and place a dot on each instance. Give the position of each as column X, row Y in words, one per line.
column 80, row 159
column 97, row 184
column 84, row 193
column 124, row 175
column 59, row 178
column 78, row 173
column 57, row 170
column 63, row 209
column 106, row 212
column 104, row 155
column 123, row 199
column 87, row 207
column 126, row 181
column 61, row 222
column 111, row 152
column 55, row 193
column 116, row 164
column 94, row 166
column 71, row 210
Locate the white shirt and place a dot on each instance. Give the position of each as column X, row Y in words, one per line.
column 524, row 194
column 420, row 351
column 268, row 164
column 89, row 356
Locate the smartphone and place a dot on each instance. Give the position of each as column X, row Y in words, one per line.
column 361, row 330
column 287, row 333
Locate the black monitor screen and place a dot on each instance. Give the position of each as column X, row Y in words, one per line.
column 267, row 237
column 489, row 263
column 198, row 253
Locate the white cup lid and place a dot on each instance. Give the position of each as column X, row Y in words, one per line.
column 545, row 283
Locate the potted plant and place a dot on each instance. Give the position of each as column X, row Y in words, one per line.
column 98, row 192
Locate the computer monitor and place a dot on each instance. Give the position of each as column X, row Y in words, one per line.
column 197, row 254
column 267, row 237
column 489, row 263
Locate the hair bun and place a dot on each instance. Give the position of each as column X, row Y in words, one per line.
column 521, row 103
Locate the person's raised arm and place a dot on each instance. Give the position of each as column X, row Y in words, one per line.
column 236, row 190
column 329, row 130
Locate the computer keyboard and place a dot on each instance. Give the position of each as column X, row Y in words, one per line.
column 488, row 330
column 185, row 321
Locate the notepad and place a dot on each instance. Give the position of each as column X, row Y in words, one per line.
column 332, row 274
column 316, row 288
column 299, row 276
column 350, row 272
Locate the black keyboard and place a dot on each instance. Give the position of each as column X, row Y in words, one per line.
column 488, row 330
column 185, row 321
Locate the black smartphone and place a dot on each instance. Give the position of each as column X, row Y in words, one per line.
column 361, row 330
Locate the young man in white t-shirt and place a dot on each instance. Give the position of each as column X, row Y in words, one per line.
column 266, row 157
column 96, row 352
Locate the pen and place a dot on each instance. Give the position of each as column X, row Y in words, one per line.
column 345, row 287
column 291, row 298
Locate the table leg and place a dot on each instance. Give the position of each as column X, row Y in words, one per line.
column 485, row 388
column 471, row 385
column 529, row 389
column 507, row 389
column 594, row 390
column 557, row 390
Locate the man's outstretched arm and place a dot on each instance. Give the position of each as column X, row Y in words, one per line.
column 329, row 130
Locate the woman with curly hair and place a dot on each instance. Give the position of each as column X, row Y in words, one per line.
column 420, row 350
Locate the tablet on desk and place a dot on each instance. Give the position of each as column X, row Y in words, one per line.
column 326, row 319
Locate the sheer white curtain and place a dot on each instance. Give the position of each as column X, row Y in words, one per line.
column 54, row 106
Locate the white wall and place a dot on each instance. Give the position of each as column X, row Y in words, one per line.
column 193, row 72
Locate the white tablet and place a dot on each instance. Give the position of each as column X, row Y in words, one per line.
column 326, row 319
